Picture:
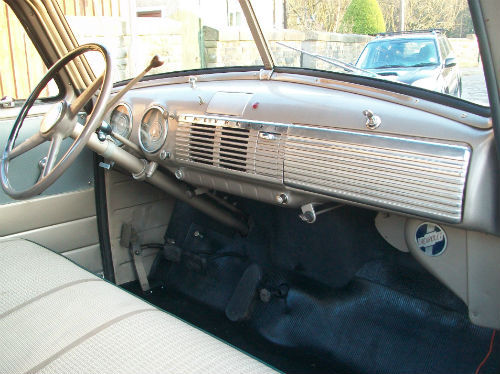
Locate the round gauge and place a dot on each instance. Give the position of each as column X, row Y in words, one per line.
column 153, row 130
column 121, row 121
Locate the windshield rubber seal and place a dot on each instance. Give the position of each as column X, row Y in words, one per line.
column 181, row 73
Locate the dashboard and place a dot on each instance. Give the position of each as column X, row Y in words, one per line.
column 310, row 142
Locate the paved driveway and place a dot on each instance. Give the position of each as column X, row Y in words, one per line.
column 474, row 86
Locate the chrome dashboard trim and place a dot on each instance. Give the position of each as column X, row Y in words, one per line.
column 414, row 176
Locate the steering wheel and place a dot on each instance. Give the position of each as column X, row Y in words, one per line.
column 58, row 124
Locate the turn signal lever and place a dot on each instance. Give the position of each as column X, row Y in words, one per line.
column 154, row 63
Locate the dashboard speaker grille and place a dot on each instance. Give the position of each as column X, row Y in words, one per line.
column 233, row 148
column 201, row 144
column 210, row 144
column 229, row 144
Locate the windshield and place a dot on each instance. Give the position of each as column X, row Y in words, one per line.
column 327, row 35
column 396, row 53
column 186, row 34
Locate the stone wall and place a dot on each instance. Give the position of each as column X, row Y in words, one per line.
column 237, row 47
column 131, row 55
column 178, row 42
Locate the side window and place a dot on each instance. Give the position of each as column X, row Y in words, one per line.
column 21, row 67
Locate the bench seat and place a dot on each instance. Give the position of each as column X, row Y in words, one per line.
column 56, row 317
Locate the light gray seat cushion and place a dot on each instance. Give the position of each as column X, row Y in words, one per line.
column 58, row 318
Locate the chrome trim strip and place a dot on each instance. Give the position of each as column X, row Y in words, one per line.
column 260, row 157
column 417, row 177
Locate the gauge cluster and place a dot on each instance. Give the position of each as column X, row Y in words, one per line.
column 153, row 129
column 121, row 121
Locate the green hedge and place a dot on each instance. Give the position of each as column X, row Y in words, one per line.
column 363, row 17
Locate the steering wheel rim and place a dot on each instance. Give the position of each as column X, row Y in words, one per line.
column 57, row 129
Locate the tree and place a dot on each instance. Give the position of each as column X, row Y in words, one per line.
column 363, row 17
column 451, row 15
column 315, row 15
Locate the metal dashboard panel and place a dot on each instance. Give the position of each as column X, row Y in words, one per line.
column 404, row 174
column 409, row 175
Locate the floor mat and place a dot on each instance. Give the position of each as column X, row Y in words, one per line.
column 374, row 310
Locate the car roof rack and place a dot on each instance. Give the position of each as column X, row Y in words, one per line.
column 433, row 31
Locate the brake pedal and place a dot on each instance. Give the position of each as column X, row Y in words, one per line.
column 239, row 306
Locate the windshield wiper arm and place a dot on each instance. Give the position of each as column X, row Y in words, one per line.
column 422, row 64
column 390, row 66
column 344, row 65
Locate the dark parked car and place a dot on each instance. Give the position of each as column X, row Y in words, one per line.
column 419, row 58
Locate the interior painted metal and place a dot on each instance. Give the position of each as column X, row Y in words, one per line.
column 486, row 27
column 67, row 226
column 44, row 19
column 79, row 177
column 145, row 207
column 364, row 167
column 285, row 108
column 258, row 35
column 467, row 267
column 274, row 115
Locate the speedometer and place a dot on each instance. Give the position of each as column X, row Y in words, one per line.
column 153, row 131
column 121, row 121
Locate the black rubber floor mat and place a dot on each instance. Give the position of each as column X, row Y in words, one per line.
column 366, row 328
column 354, row 304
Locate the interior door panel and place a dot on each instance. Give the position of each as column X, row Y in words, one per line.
column 63, row 218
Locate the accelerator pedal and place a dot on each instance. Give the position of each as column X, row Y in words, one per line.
column 239, row 306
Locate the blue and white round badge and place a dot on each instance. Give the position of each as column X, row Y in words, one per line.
column 431, row 239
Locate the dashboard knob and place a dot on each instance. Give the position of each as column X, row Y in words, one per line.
column 282, row 198
column 179, row 174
